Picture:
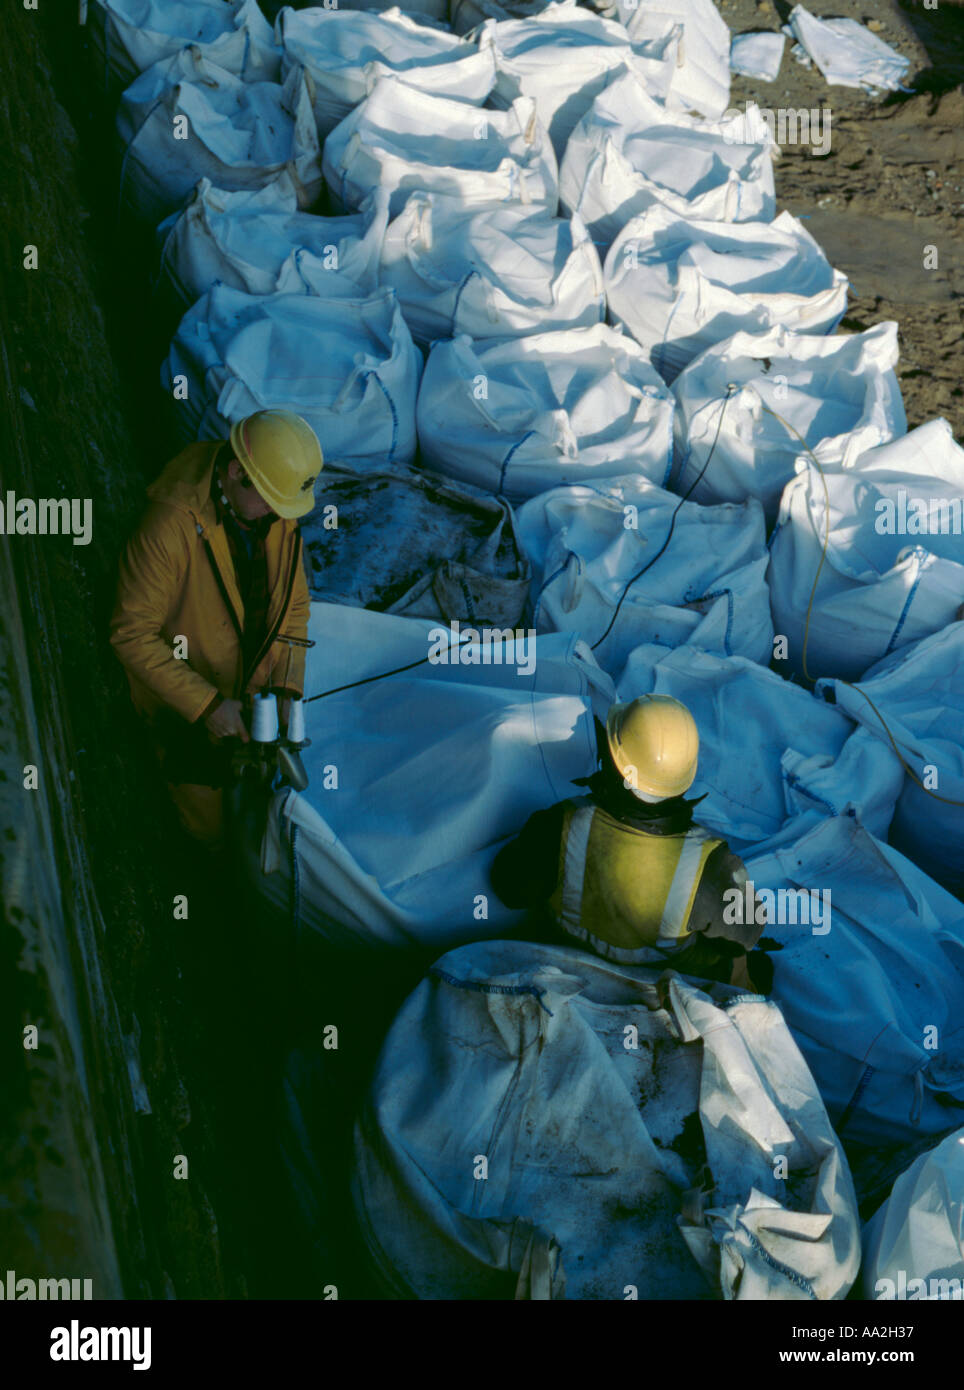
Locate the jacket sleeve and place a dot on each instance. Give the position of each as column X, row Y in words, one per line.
column 152, row 572
column 288, row 672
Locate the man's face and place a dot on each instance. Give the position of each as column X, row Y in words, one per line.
column 244, row 496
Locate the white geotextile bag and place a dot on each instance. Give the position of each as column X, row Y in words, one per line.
column 919, row 693
column 757, row 55
column 395, row 849
column 882, row 584
column 435, row 12
column 774, row 760
column 876, row 1002
column 630, row 1127
column 680, row 286
column 701, row 82
column 130, row 36
column 407, row 141
column 497, row 271
column 586, row 544
column 347, row 51
column 347, row 364
column 918, row 1233
column 629, row 152
column 846, row 52
column 519, row 415
column 839, row 392
column 564, row 56
column 256, row 240
column 186, row 119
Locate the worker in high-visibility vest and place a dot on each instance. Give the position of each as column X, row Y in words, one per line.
column 211, row 585
column 626, row 872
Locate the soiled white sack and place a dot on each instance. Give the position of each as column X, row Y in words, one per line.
column 346, row 51
column 237, row 134
column 883, row 584
column 130, row 36
column 629, row 152
column 847, row 53
column 757, row 55
column 701, row 82
column 707, row 587
column 466, row 15
column 918, row 1233
column 520, row 415
column 434, row 12
column 497, row 271
column 774, row 760
column 839, row 392
column 348, row 365
column 398, row 854
column 406, row 141
column 565, row 55
column 863, row 998
column 256, row 240
column 518, row 1052
column 919, row 693
column 680, row 286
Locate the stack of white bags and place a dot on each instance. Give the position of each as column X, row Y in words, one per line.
column 530, row 249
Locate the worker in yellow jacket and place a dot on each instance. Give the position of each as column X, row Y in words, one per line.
column 626, row 872
column 211, row 585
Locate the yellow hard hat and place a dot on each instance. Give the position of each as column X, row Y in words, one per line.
column 655, row 745
column 281, row 455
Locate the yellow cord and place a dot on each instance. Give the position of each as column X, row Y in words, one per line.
column 947, row 800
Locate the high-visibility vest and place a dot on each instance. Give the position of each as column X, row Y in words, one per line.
column 627, row 892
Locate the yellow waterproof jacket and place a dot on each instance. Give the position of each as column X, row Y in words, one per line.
column 177, row 580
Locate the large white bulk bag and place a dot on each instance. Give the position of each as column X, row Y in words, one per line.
column 680, row 286
column 497, row 271
column 882, row 584
column 434, row 12
column 774, row 760
column 630, row 1128
column 348, row 365
column 915, row 696
column 876, row 1002
column 565, row 55
column 840, row 393
column 918, row 1233
column 407, row 141
column 629, row 152
column 519, row 415
column 347, row 51
column 393, row 840
column 129, row 36
column 186, row 119
column 256, row 240
column 707, row 587
column 701, row 82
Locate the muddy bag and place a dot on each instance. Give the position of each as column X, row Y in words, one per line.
column 545, row 1125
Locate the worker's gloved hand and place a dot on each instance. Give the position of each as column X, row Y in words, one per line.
column 227, row 721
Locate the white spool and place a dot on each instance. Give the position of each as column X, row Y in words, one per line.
column 264, row 719
column 296, row 722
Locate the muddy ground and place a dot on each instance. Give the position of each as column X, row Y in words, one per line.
column 83, row 394
column 891, row 184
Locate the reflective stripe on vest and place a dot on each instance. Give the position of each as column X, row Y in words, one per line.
column 624, row 891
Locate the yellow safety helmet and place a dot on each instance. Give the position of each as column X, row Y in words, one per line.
column 655, row 745
column 281, row 455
